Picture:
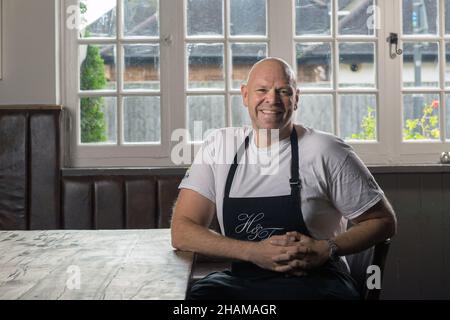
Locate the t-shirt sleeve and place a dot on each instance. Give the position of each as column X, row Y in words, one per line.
column 353, row 189
column 200, row 176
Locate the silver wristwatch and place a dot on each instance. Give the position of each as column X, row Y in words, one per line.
column 333, row 249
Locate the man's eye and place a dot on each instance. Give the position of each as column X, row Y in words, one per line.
column 285, row 92
column 261, row 90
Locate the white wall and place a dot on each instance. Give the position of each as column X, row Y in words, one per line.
column 30, row 52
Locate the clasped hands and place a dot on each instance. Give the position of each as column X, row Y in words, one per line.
column 292, row 253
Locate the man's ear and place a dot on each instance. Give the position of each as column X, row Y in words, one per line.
column 297, row 98
column 244, row 94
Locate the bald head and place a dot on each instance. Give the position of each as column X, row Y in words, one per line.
column 271, row 95
column 276, row 63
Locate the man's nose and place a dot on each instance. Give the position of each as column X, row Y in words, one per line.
column 273, row 96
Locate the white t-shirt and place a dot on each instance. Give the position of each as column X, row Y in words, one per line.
column 336, row 185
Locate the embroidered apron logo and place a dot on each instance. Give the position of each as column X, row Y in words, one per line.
column 252, row 228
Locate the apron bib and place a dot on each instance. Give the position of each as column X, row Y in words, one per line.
column 258, row 218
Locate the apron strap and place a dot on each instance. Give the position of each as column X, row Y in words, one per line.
column 237, row 157
column 294, row 181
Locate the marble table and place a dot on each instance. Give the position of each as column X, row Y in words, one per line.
column 92, row 264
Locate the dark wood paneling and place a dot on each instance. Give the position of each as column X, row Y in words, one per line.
column 404, row 256
column 109, row 204
column 13, row 170
column 430, row 238
column 446, row 236
column 77, row 204
column 167, row 194
column 44, row 171
column 140, row 197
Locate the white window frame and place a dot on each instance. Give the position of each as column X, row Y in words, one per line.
column 388, row 150
column 85, row 155
column 416, row 152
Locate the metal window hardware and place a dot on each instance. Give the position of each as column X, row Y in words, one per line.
column 445, row 157
column 393, row 40
column 167, row 40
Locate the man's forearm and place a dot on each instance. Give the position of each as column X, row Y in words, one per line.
column 189, row 236
column 364, row 235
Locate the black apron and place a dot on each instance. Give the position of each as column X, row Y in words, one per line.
column 256, row 219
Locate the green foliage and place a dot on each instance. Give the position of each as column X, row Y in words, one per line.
column 368, row 124
column 92, row 77
column 422, row 128
column 93, row 70
column 83, row 8
column 425, row 127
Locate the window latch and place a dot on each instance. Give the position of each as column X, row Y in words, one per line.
column 167, row 40
column 393, row 41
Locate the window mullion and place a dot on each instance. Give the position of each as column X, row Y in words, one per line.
column 397, row 100
column 173, row 71
column 384, row 125
column 442, row 61
column 281, row 29
column 335, row 62
column 227, row 61
column 120, row 68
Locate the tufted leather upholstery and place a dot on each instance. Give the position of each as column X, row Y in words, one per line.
column 13, row 171
column 29, row 168
column 118, row 202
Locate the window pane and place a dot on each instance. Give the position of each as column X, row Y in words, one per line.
column 239, row 113
column 244, row 55
column 98, row 120
column 316, row 111
column 204, row 113
column 447, row 16
column 447, row 64
column 142, row 119
column 421, row 116
column 248, row 17
column 141, row 67
column 205, row 66
column 356, row 65
column 358, row 117
column 314, row 66
column 141, row 18
column 312, row 17
column 97, row 67
column 420, row 17
column 447, row 115
column 356, row 17
column 98, row 18
column 204, row 17
column 421, row 64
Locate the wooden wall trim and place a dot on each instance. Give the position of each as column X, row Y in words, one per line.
column 169, row 171
column 155, row 171
column 30, row 107
column 416, row 168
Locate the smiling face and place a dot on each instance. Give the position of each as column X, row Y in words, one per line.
column 270, row 96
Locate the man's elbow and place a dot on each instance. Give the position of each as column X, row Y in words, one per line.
column 176, row 235
column 390, row 223
column 176, row 241
column 389, row 219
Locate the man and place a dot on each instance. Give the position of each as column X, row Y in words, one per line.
column 285, row 230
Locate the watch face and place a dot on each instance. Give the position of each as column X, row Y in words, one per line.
column 333, row 250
